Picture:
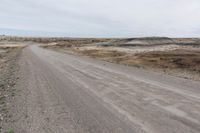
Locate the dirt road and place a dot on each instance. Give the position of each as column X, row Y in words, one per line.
column 61, row 93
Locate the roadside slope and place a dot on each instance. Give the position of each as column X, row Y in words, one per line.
column 8, row 79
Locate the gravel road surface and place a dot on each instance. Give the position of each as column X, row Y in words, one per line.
column 63, row 93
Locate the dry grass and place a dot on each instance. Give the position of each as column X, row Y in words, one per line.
column 101, row 54
column 6, row 53
column 181, row 62
column 178, row 61
column 8, row 67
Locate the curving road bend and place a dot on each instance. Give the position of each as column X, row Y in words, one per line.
column 62, row 93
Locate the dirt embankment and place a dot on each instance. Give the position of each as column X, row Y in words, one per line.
column 8, row 78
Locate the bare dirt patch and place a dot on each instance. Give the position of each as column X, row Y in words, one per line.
column 8, row 67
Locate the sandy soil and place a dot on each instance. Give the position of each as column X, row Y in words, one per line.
column 132, row 50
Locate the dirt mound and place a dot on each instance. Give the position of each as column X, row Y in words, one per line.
column 147, row 41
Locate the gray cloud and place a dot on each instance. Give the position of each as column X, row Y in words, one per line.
column 102, row 18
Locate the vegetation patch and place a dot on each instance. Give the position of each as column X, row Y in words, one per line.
column 7, row 80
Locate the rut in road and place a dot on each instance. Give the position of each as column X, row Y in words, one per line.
column 61, row 93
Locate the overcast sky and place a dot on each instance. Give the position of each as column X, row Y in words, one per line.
column 100, row 18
